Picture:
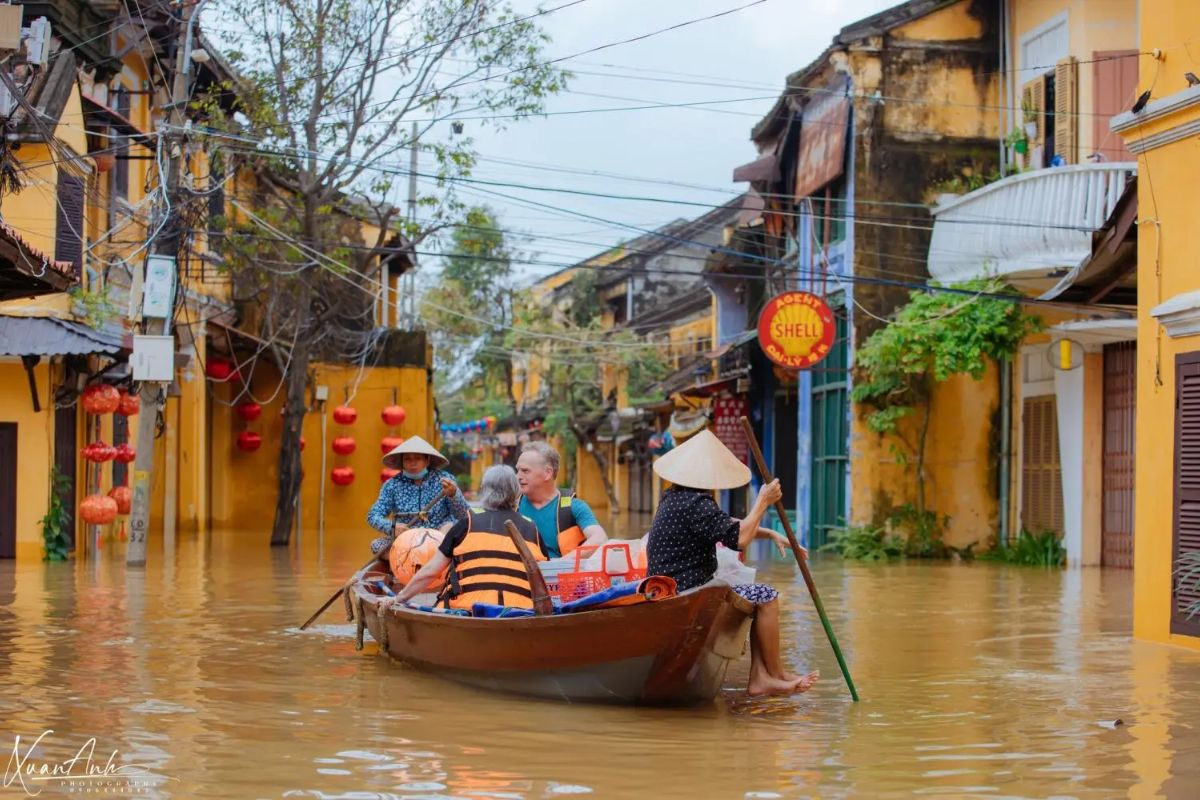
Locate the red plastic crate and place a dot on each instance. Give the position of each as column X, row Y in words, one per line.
column 577, row 583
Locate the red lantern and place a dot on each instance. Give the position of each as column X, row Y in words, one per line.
column 393, row 415
column 248, row 412
column 124, row 497
column 390, row 443
column 98, row 452
column 100, row 398
column 342, row 476
column 387, row 474
column 302, row 443
column 97, row 509
column 248, row 441
column 220, row 370
column 344, row 415
column 344, row 445
column 128, row 405
column 125, row 454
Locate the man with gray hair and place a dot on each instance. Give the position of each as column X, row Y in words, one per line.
column 565, row 523
column 485, row 565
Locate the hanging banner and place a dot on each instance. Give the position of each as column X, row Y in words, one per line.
column 796, row 330
column 727, row 425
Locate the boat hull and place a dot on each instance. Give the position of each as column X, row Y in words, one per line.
column 674, row 651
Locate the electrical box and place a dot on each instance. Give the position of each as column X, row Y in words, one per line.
column 321, row 394
column 37, row 42
column 153, row 358
column 10, row 27
column 158, row 290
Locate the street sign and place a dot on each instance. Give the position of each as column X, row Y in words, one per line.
column 796, row 330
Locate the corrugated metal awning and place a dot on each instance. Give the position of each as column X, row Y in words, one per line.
column 763, row 168
column 47, row 336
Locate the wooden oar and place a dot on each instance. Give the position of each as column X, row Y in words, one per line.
column 765, row 474
column 421, row 515
column 542, row 604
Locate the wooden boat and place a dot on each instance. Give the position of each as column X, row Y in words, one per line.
column 669, row 652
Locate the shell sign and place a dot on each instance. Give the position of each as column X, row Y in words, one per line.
column 796, row 330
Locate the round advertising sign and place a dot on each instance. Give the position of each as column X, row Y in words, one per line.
column 796, row 330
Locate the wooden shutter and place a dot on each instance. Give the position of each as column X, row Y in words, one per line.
column 1186, row 532
column 216, row 188
column 1033, row 104
column 1041, row 469
column 1066, row 106
column 1114, row 89
column 8, row 489
column 68, row 233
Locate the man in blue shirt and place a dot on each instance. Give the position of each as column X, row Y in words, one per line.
column 564, row 522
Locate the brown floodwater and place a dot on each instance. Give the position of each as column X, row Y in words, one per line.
column 977, row 680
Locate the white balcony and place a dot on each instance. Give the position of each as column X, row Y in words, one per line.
column 1029, row 228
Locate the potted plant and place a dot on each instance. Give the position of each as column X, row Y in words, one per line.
column 1018, row 141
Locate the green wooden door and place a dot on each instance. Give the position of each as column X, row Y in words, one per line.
column 830, row 436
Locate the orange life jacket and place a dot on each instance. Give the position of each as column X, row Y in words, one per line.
column 570, row 535
column 487, row 566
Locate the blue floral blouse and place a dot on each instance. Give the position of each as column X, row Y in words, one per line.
column 402, row 497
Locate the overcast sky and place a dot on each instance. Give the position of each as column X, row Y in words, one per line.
column 751, row 51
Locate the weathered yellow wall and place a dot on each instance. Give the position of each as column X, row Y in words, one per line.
column 1167, row 240
column 960, row 463
column 588, row 483
column 244, row 484
column 35, row 444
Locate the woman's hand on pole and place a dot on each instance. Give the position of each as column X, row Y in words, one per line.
column 770, row 494
column 449, row 487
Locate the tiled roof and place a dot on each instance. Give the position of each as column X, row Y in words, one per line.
column 48, row 336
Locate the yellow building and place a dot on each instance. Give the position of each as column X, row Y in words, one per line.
column 1162, row 134
column 80, row 219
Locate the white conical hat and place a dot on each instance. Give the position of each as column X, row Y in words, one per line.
column 417, row 446
column 702, row 462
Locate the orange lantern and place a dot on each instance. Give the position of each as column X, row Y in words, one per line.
column 344, row 415
column 344, row 445
column 390, row 443
column 98, row 509
column 393, row 415
column 100, row 398
column 248, row 441
column 123, row 495
column 128, row 405
column 342, row 476
column 387, row 473
column 248, row 412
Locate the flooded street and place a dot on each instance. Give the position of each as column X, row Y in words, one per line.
column 977, row 680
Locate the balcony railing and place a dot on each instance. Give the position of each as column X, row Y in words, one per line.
column 1032, row 226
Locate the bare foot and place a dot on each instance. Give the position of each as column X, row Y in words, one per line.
column 805, row 683
column 766, row 685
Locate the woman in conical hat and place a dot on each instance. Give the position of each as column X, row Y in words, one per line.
column 422, row 477
column 685, row 533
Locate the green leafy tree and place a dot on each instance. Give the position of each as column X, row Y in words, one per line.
column 935, row 336
column 331, row 95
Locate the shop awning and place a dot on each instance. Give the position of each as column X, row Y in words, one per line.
column 1109, row 274
column 48, row 336
column 764, row 168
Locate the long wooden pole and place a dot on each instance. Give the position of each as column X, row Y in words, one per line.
column 421, row 515
column 800, row 560
column 542, row 604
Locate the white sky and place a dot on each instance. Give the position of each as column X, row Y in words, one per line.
column 755, row 48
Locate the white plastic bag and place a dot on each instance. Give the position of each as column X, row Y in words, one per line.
column 730, row 568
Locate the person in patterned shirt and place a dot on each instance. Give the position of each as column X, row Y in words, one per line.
column 422, row 478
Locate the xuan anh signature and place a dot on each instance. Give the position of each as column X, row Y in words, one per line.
column 33, row 775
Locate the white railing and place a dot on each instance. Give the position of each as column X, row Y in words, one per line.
column 1036, row 223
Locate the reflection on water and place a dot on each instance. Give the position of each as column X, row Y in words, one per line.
column 977, row 680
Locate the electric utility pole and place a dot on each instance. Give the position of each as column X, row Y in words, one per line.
column 159, row 294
